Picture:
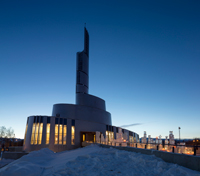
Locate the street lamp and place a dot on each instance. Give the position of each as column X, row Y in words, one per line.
column 179, row 134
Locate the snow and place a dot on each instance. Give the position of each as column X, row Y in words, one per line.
column 95, row 161
column 4, row 162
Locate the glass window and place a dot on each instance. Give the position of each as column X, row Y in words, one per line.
column 56, row 134
column 40, row 133
column 130, row 138
column 36, row 133
column 83, row 137
column 60, row 133
column 112, row 136
column 48, row 133
column 73, row 135
column 94, row 138
column 33, row 133
column 107, row 135
column 64, row 134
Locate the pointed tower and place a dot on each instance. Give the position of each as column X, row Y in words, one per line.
column 82, row 67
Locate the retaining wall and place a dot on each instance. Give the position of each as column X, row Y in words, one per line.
column 189, row 161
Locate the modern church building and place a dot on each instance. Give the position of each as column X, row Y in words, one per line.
column 72, row 124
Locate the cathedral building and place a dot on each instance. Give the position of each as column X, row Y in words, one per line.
column 72, row 124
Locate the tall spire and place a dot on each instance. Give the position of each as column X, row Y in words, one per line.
column 86, row 41
column 82, row 68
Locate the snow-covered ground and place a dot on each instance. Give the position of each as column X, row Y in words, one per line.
column 94, row 161
column 4, row 162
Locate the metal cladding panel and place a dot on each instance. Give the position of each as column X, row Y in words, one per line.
column 82, row 78
column 79, row 112
column 82, row 62
column 90, row 100
column 81, row 89
column 86, row 42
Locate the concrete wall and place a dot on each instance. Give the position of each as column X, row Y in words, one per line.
column 191, row 162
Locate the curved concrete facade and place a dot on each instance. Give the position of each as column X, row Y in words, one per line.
column 90, row 100
column 79, row 112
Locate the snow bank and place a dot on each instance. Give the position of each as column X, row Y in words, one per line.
column 93, row 160
column 4, row 162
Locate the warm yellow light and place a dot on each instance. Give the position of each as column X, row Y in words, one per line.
column 47, row 133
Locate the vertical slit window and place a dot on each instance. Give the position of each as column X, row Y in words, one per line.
column 64, row 134
column 60, row 133
column 73, row 135
column 40, row 133
column 36, row 133
column 48, row 133
column 33, row 133
column 83, row 137
column 107, row 135
column 56, row 133
column 112, row 136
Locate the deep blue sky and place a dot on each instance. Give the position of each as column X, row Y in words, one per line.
column 144, row 61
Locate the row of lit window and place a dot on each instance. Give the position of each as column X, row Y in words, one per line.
column 36, row 136
column 110, row 135
column 60, row 134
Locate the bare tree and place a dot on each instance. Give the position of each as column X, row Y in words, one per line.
column 2, row 132
column 10, row 133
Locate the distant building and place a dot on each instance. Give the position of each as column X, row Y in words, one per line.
column 72, row 124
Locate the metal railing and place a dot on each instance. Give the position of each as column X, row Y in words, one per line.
column 182, row 149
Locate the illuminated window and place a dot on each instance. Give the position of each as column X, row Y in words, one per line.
column 107, row 135
column 94, row 138
column 64, row 134
column 73, row 135
column 56, row 134
column 33, row 133
column 83, row 137
column 48, row 133
column 36, row 136
column 40, row 133
column 130, row 138
column 111, row 136
column 25, row 133
column 60, row 133
column 36, row 133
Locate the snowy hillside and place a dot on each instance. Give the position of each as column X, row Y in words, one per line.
column 93, row 160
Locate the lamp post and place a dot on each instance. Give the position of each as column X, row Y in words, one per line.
column 179, row 134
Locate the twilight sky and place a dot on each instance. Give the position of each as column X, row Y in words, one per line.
column 144, row 61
